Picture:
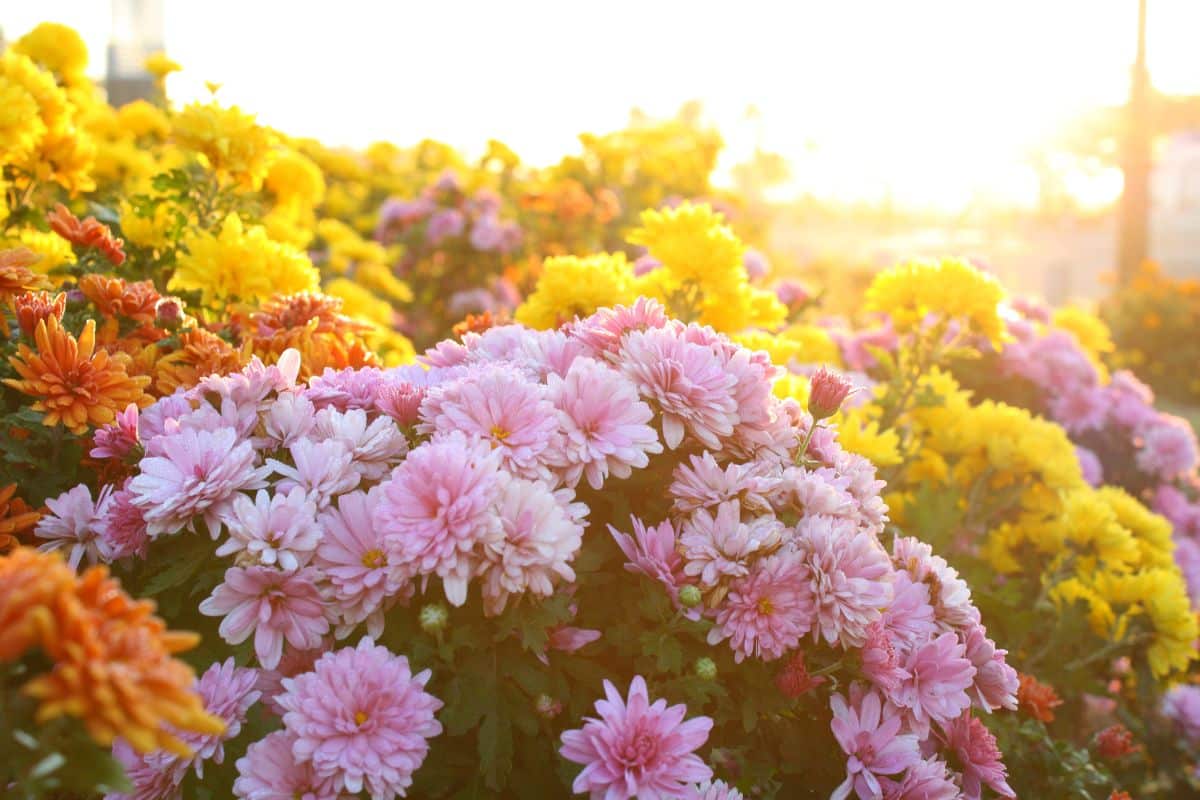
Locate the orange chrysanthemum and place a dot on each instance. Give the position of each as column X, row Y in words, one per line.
column 89, row 232
column 77, row 385
column 113, row 665
column 477, row 323
column 16, row 517
column 314, row 325
column 33, row 307
column 201, row 353
column 15, row 273
column 114, row 297
column 1036, row 699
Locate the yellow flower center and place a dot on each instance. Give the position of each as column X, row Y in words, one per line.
column 373, row 559
column 765, row 606
column 360, row 717
column 499, row 433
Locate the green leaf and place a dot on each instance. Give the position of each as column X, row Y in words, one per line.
column 496, row 748
column 192, row 553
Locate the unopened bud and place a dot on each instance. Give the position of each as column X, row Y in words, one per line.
column 689, row 597
column 829, row 390
column 546, row 706
column 434, row 618
column 705, row 669
column 168, row 313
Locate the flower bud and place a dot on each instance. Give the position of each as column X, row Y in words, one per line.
column 546, row 706
column 689, row 597
column 168, row 313
column 434, row 618
column 705, row 669
column 829, row 390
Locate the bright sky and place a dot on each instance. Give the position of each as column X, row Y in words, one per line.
column 929, row 101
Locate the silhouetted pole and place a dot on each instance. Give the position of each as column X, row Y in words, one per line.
column 1133, row 242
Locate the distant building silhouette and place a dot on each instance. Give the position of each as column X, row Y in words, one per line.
column 137, row 32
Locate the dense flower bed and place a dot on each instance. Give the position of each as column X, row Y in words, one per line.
column 642, row 524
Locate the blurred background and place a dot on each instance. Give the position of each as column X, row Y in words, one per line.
column 1058, row 143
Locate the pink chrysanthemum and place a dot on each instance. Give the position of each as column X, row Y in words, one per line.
column 275, row 606
column 935, row 688
column 540, row 539
column 767, row 612
column 870, row 737
column 289, row 419
column 1090, row 466
column 652, row 552
column 880, row 662
column 198, row 474
column 228, row 692
column 437, row 507
column 294, row 662
column 1181, row 705
column 344, row 389
column 604, row 330
column 909, row 617
column 703, row 483
column 995, row 681
column 1168, row 448
column 322, row 470
column 928, row 779
column 1081, row 410
column 500, row 406
column 603, row 424
column 73, row 524
column 636, row 749
column 255, row 384
column 722, row 546
column 362, row 719
column 269, row 771
column 375, row 446
column 687, row 382
column 401, row 401
column 122, row 527
column 949, row 594
column 353, row 557
column 978, row 757
column 716, row 790
column 118, row 438
column 149, row 781
column 849, row 577
column 273, row 530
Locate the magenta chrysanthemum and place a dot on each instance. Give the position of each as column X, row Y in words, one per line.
column 651, row 552
column 197, row 474
column 437, row 507
column 275, row 606
column 122, row 527
column 603, row 422
column 636, row 749
column 767, row 612
column 687, row 382
column 362, row 719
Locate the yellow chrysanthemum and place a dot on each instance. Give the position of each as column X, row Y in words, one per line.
column 694, row 243
column 57, row 48
column 1091, row 333
column 294, row 178
column 53, row 106
column 1152, row 531
column 21, row 126
column 140, row 119
column 55, row 251
column 569, row 287
column 240, row 263
column 949, row 289
column 380, row 278
column 160, row 66
column 230, row 141
column 860, row 434
column 147, row 231
column 360, row 303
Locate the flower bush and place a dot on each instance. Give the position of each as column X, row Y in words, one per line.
column 636, row 521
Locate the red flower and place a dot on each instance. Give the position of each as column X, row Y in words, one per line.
column 1115, row 741
column 829, row 390
column 793, row 680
